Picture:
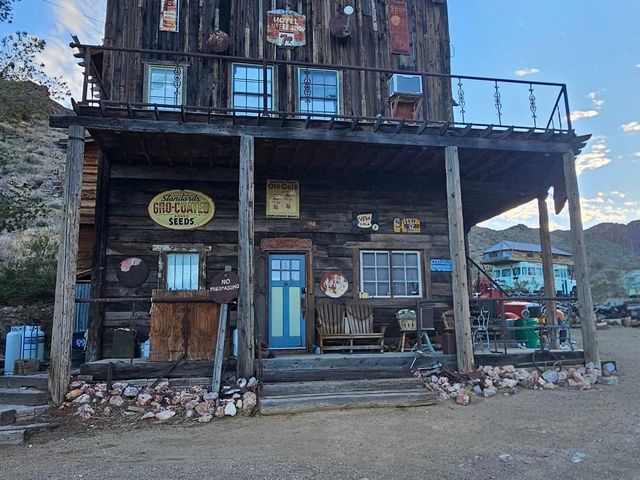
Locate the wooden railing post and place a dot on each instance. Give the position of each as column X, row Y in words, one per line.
column 581, row 270
column 459, row 281
column 63, row 314
column 547, row 270
column 246, row 320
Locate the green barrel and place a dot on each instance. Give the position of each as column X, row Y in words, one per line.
column 528, row 336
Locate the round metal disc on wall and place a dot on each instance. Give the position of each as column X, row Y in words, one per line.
column 225, row 287
column 132, row 272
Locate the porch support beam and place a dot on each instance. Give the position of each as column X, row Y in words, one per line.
column 457, row 248
column 64, row 309
column 246, row 318
column 547, row 269
column 581, row 270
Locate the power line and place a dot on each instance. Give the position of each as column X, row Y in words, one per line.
column 76, row 9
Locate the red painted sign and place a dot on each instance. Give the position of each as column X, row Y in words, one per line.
column 399, row 27
column 286, row 28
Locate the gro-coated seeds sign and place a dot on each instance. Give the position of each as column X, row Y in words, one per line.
column 181, row 209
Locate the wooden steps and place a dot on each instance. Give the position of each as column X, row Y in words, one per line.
column 18, row 396
column 17, row 381
column 298, row 397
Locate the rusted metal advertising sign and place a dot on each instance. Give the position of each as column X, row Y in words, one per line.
column 169, row 15
column 406, row 225
column 286, row 28
column 181, row 209
column 283, row 199
column 399, row 27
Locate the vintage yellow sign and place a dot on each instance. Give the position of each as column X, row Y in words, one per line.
column 406, row 225
column 283, row 199
column 181, row 209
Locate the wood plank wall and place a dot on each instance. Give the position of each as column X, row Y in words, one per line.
column 134, row 24
column 87, row 208
column 326, row 214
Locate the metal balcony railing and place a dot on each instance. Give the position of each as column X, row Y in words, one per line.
column 455, row 100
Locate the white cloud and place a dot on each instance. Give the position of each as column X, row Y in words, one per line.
column 631, row 127
column 580, row 114
column 604, row 207
column 526, row 71
column 597, row 157
column 597, row 102
column 73, row 17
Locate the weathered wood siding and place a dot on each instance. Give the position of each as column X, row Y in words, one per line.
column 135, row 24
column 325, row 219
column 87, row 208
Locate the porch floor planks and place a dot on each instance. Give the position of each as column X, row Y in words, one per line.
column 346, row 400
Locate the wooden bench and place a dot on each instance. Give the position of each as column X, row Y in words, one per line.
column 349, row 328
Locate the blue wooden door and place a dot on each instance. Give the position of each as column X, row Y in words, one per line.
column 286, row 300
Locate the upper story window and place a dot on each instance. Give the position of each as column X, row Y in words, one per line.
column 248, row 88
column 394, row 273
column 318, row 92
column 165, row 86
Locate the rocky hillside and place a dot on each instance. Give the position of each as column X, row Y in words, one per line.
column 612, row 250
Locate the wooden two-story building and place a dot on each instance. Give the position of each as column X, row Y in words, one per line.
column 322, row 149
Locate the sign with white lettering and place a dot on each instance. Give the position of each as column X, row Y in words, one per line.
column 286, row 28
column 225, row 287
column 181, row 209
column 169, row 15
column 440, row 265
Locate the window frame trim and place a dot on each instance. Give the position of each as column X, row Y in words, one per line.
column 160, row 64
column 390, row 267
column 338, row 95
column 274, row 89
column 164, row 250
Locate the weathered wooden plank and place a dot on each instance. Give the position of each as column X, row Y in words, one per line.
column 246, row 320
column 298, row 404
column 18, row 396
column 63, row 316
column 336, row 387
column 12, row 437
column 581, row 268
column 461, row 309
column 547, row 269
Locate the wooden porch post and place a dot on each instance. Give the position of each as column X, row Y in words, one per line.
column 98, row 264
column 459, row 262
column 62, row 331
column 246, row 320
column 581, row 271
column 547, row 269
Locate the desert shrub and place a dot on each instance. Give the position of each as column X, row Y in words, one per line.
column 30, row 278
column 18, row 211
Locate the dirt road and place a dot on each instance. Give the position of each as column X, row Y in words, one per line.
column 541, row 430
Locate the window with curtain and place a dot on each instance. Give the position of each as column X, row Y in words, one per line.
column 318, row 92
column 183, row 271
column 248, row 88
column 394, row 273
column 165, row 86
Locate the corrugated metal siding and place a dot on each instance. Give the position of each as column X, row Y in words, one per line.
column 81, row 321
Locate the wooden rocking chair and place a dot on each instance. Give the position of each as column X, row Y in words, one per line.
column 360, row 328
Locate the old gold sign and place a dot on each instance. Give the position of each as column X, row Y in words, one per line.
column 181, row 209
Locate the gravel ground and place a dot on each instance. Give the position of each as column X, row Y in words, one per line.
column 540, row 430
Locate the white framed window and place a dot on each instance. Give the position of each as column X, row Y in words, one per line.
column 247, row 88
column 318, row 92
column 391, row 273
column 165, row 86
column 183, row 271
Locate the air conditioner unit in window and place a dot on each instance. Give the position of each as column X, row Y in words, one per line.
column 401, row 84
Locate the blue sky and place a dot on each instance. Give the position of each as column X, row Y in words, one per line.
column 591, row 45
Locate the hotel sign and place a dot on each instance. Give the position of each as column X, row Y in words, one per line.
column 286, row 28
column 181, row 209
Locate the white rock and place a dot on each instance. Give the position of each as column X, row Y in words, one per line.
column 489, row 392
column 550, row 376
column 253, row 381
column 239, row 404
column 106, row 411
column 210, row 396
column 242, row 382
column 230, row 410
column 190, row 413
column 509, row 383
column 590, row 378
column 505, row 457
column 206, row 418
column 148, row 415
column 120, row 385
column 84, row 398
column 131, row 391
column 165, row 415
column 191, row 405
